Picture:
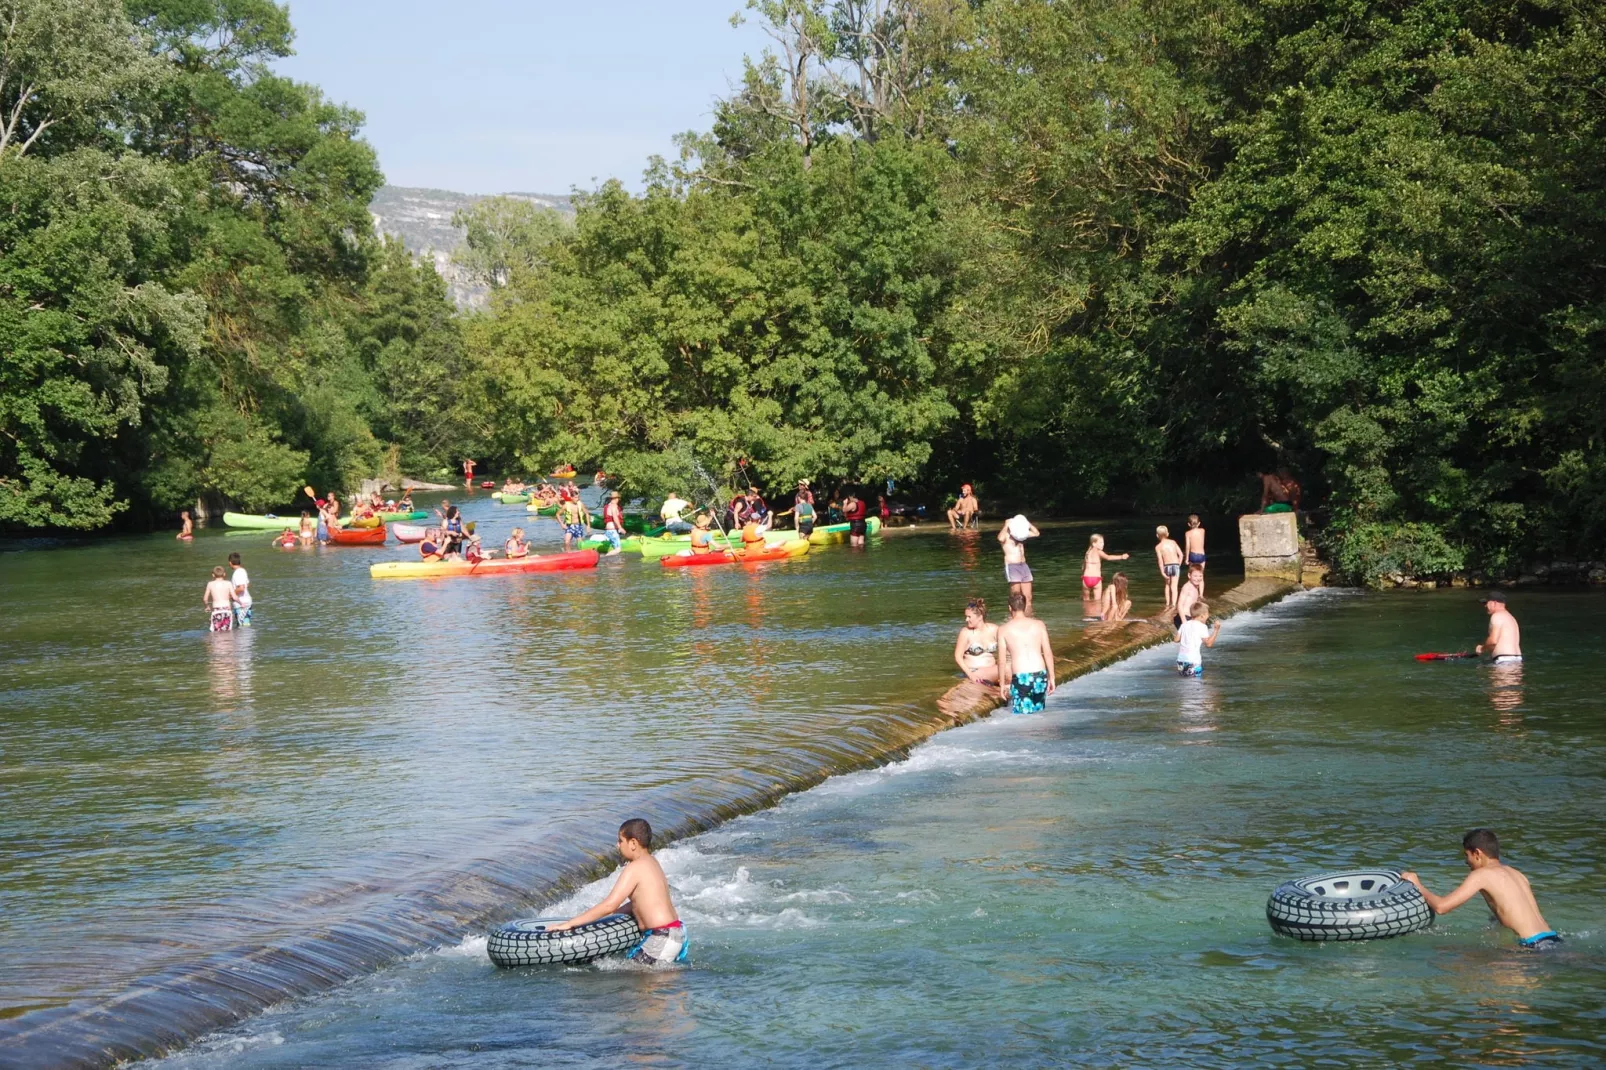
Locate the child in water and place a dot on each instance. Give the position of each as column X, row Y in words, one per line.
column 1116, row 605
column 642, row 884
column 187, row 531
column 1093, row 568
column 1503, row 887
column 1192, row 637
column 1193, row 542
column 219, row 600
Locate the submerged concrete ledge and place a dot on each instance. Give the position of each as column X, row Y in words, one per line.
column 375, row 924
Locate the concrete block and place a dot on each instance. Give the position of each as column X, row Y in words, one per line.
column 1270, row 544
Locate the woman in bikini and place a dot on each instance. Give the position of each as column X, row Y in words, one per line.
column 976, row 649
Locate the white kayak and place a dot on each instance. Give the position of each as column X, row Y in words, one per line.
column 408, row 532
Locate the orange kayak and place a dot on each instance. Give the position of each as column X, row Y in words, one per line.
column 496, row 566
column 358, row 536
column 795, row 548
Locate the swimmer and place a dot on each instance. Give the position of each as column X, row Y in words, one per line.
column 1192, row 637
column 186, row 530
column 218, row 598
column 1025, row 659
column 1191, row 592
column 976, row 649
column 1115, row 604
column 515, row 546
column 644, row 888
column 1504, row 888
column 1093, row 568
column 1504, row 641
column 1013, row 535
column 1169, row 556
column 287, row 540
column 1193, row 543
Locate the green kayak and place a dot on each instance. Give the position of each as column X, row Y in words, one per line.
column 653, row 549
column 599, row 543
column 263, row 522
column 392, row 518
column 543, row 510
column 839, row 532
column 511, row 499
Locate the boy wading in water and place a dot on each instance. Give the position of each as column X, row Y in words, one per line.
column 1193, row 543
column 1505, row 889
column 643, row 885
column 219, row 600
column 1192, row 637
column 1169, row 556
column 1013, row 535
column 1025, row 660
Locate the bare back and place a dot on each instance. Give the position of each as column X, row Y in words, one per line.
column 1187, row 595
column 1193, row 539
column 1505, row 638
column 1508, row 894
column 1014, row 549
column 1168, row 552
column 1023, row 646
column 219, row 594
column 644, row 882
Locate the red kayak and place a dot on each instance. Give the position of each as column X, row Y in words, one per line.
column 489, row 484
column 496, row 566
column 358, row 536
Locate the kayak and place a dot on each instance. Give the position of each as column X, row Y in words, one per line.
column 496, row 566
column 362, row 522
column 830, row 533
column 408, row 532
column 600, row 543
column 487, row 484
column 794, row 548
column 358, row 536
column 416, row 514
column 510, row 499
column 563, row 473
column 550, row 509
column 264, row 522
column 674, row 544
column 635, row 524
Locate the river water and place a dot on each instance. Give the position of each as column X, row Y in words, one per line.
column 1085, row 887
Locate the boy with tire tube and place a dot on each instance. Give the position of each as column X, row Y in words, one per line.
column 1504, row 888
column 643, row 885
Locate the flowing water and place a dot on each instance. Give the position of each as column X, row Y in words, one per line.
column 1087, row 886
column 390, row 761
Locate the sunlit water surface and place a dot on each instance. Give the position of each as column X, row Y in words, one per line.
column 1087, row 887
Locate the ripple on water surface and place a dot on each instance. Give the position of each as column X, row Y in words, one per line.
column 1088, row 887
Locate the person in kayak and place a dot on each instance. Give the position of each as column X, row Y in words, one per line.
column 613, row 522
column 406, row 503
column 1025, row 659
column 186, row 529
column 642, row 887
column 242, row 592
column 854, row 511
column 218, row 598
column 1504, row 641
column 452, row 533
column 1504, row 888
column 670, row 512
column 429, row 547
column 515, row 546
column 976, row 648
column 702, row 539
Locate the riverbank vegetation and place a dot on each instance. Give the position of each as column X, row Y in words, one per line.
column 1074, row 253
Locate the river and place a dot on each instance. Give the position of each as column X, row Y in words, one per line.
column 1087, row 886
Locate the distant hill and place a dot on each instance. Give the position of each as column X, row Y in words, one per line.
column 422, row 219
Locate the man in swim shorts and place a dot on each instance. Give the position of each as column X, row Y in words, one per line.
column 574, row 519
column 642, row 884
column 1504, row 888
column 1504, row 641
column 1012, row 536
column 1025, row 659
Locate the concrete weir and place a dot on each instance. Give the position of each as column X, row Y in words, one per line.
column 373, row 923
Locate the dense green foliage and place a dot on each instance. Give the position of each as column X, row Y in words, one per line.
column 1078, row 253
column 191, row 298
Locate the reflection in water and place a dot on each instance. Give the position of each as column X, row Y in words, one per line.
column 968, row 543
column 229, row 668
column 1201, row 705
column 1505, row 693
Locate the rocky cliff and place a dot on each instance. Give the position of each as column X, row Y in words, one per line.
column 422, row 219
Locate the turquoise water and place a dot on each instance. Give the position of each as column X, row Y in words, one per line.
column 388, row 761
column 1087, row 887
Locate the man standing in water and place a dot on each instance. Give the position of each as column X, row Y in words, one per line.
column 574, row 518
column 853, row 511
column 1504, row 642
column 1013, row 535
column 1025, row 660
column 242, row 592
column 468, row 471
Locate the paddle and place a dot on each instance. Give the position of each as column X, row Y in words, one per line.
column 1446, row 657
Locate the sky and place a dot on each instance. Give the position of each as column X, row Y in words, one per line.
column 541, row 96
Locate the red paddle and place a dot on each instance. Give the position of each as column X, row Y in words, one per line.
column 1445, row 657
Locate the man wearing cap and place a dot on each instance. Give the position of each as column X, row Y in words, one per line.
column 965, row 510
column 1504, row 643
column 613, row 522
column 1013, row 535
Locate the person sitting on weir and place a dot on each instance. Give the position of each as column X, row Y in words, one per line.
column 976, row 648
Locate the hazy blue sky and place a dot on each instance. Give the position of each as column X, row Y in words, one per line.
column 488, row 96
